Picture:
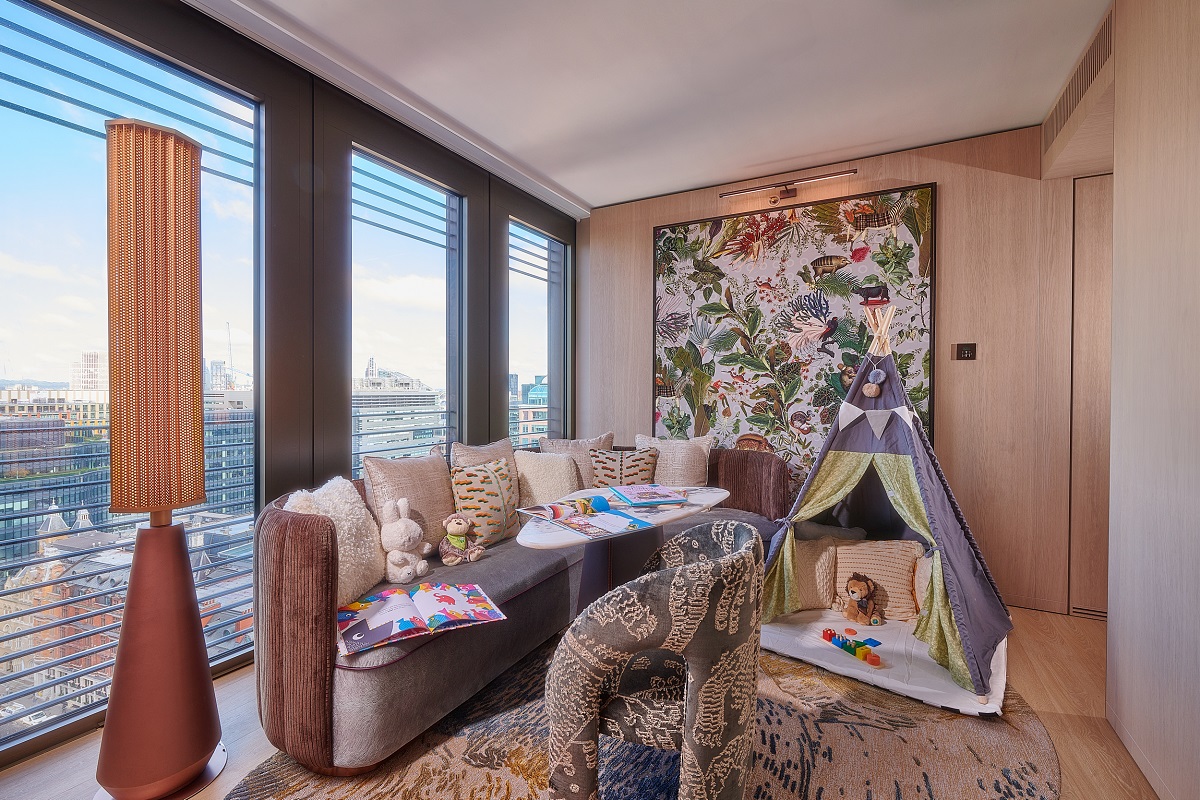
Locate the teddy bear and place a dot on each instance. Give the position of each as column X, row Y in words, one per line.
column 402, row 539
column 460, row 543
column 860, row 606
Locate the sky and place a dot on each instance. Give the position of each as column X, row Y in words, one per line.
column 53, row 290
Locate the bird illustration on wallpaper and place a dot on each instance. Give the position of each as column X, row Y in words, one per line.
column 760, row 321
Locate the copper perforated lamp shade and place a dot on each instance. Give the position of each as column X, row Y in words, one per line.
column 161, row 729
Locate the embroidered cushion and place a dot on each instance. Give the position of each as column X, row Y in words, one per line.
column 488, row 494
column 891, row 565
column 681, row 462
column 424, row 480
column 623, row 467
column 360, row 557
column 578, row 450
column 545, row 477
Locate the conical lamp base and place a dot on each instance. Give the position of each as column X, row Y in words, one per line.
column 211, row 770
column 161, row 727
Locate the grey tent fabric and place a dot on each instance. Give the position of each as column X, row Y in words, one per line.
column 979, row 614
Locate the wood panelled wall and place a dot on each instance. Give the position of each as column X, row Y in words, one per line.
column 1003, row 280
column 1154, row 585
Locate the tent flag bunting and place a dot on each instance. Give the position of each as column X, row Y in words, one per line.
column 875, row 473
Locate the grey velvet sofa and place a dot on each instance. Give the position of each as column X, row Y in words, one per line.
column 341, row 715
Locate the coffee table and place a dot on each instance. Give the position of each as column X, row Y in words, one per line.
column 616, row 559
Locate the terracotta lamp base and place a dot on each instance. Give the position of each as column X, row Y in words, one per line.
column 161, row 728
column 211, row 770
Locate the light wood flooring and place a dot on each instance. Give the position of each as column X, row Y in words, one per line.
column 1055, row 661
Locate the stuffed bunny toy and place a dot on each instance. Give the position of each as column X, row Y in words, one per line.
column 402, row 539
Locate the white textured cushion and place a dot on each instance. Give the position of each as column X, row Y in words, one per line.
column 545, row 477
column 362, row 562
column 468, row 455
column 579, row 450
column 681, row 462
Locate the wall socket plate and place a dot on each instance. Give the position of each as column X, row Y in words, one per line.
column 964, row 351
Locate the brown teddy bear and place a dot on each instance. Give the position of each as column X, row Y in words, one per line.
column 460, row 543
column 860, row 606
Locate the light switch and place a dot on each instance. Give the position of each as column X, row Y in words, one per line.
column 964, row 351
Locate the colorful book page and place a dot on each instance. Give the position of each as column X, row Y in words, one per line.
column 648, row 495
column 446, row 606
column 377, row 619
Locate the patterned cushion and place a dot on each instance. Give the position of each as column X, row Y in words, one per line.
column 623, row 467
column 681, row 462
column 545, row 477
column 488, row 494
column 891, row 565
column 578, row 449
column 816, row 568
column 466, row 455
column 424, row 480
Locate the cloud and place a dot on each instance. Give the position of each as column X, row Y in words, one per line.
column 10, row 265
column 415, row 292
column 86, row 305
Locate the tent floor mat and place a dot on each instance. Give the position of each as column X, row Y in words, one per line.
column 907, row 668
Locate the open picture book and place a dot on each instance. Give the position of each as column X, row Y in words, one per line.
column 395, row 614
column 593, row 517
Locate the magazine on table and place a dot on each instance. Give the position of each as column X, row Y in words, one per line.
column 395, row 614
column 650, row 494
column 592, row 517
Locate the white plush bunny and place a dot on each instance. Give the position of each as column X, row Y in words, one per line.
column 403, row 540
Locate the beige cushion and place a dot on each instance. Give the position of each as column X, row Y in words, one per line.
column 361, row 559
column 921, row 579
column 468, row 455
column 681, row 462
column 815, row 561
column 891, row 565
column 545, row 477
column 424, row 480
column 578, row 450
column 622, row 467
column 487, row 494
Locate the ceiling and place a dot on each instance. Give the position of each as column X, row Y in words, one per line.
column 592, row 103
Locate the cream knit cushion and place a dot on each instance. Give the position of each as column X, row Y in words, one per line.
column 361, row 560
column 487, row 494
column 681, row 462
column 924, row 574
column 578, row 450
column 891, row 565
column 545, row 477
column 815, row 561
column 424, row 480
column 623, row 467
column 467, row 455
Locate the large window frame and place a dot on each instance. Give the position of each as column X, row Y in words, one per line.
column 301, row 366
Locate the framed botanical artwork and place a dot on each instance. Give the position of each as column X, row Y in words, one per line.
column 760, row 319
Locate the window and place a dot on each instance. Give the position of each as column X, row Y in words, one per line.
column 535, row 265
column 64, row 558
column 403, row 234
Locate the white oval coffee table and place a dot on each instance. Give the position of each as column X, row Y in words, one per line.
column 541, row 534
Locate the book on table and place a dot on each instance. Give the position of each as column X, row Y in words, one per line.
column 593, row 517
column 396, row 614
column 650, row 494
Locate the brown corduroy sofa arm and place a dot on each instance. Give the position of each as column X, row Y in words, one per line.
column 756, row 481
column 295, row 579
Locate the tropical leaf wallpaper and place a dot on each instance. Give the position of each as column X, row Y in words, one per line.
column 759, row 320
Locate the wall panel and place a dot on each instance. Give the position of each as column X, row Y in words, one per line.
column 1002, row 422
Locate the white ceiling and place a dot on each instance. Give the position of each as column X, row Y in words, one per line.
column 591, row 103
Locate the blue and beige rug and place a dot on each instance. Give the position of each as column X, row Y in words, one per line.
column 820, row 736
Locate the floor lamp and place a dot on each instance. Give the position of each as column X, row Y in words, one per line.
column 161, row 732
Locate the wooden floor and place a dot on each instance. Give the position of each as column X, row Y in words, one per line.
column 1055, row 661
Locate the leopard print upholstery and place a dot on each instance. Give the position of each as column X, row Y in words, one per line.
column 667, row 660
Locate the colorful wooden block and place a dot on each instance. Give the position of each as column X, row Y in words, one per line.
column 872, row 642
column 862, row 652
column 851, row 632
column 872, row 659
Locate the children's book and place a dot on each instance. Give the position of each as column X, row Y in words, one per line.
column 592, row 517
column 396, row 614
column 648, row 495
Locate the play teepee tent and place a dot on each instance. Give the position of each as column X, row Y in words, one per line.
column 877, row 471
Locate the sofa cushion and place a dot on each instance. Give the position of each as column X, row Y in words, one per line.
column 891, row 564
column 471, row 455
column 506, row 570
column 361, row 559
column 545, row 477
column 424, row 480
column 578, row 450
column 487, row 493
column 681, row 462
column 622, row 467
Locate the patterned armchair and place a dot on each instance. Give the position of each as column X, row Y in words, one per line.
column 668, row 660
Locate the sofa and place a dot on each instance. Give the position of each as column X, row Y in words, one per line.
column 343, row 715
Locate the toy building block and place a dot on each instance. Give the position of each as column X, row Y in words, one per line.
column 862, row 652
column 851, row 632
column 827, row 634
column 873, row 660
column 872, row 642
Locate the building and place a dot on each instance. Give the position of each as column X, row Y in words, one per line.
column 532, row 416
column 90, row 372
column 394, row 414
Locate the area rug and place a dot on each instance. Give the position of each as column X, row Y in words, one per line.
column 820, row 736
